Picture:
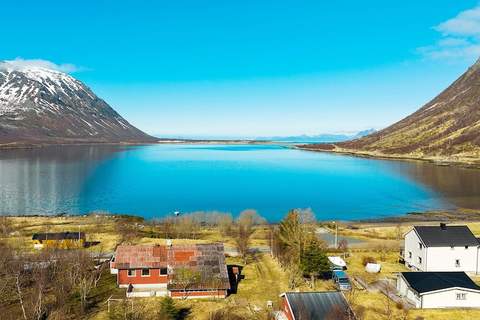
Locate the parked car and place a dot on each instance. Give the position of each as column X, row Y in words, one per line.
column 341, row 280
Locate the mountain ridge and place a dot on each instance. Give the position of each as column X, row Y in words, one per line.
column 40, row 105
column 445, row 129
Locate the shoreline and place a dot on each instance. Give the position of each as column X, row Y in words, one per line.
column 439, row 162
column 409, row 217
column 31, row 145
column 20, row 146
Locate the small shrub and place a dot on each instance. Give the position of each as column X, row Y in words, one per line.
column 368, row 259
column 168, row 310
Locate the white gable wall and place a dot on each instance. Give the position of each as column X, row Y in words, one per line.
column 405, row 291
column 412, row 246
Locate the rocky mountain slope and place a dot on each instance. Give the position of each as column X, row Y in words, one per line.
column 39, row 105
column 446, row 128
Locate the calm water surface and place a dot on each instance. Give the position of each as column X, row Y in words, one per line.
column 156, row 180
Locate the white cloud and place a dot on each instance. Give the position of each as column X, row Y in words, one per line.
column 21, row 64
column 466, row 23
column 460, row 37
column 453, row 42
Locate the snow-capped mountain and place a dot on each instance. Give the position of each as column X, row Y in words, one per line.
column 43, row 105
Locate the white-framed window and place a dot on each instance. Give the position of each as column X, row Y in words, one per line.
column 410, row 254
column 419, row 260
column 163, row 271
column 461, row 296
column 145, row 272
column 131, row 273
column 457, row 263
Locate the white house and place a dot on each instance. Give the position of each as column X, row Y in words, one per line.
column 439, row 289
column 441, row 248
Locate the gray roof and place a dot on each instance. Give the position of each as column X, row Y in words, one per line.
column 319, row 305
column 59, row 236
column 449, row 236
column 431, row 281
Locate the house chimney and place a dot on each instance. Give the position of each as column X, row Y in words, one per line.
column 443, row 226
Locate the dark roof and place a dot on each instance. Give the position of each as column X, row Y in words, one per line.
column 207, row 261
column 436, row 236
column 318, row 305
column 431, row 281
column 59, row 236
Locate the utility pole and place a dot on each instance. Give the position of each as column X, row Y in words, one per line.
column 336, row 234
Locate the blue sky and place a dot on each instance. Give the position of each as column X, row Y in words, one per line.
column 252, row 68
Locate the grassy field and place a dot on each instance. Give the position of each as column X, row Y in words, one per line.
column 264, row 280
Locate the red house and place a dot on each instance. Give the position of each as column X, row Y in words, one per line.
column 180, row 271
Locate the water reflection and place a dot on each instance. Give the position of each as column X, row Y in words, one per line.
column 459, row 186
column 159, row 179
column 47, row 180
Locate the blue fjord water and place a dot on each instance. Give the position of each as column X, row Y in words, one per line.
column 156, row 180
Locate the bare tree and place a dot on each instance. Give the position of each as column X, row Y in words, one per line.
column 5, row 226
column 125, row 310
column 398, row 232
column 6, row 279
column 127, row 228
column 352, row 301
column 186, row 227
column 306, row 216
column 16, row 270
column 387, row 303
column 184, row 278
column 343, row 246
column 383, row 251
column 226, row 313
column 242, row 240
column 225, row 224
column 87, row 277
column 20, row 294
column 404, row 311
column 250, row 217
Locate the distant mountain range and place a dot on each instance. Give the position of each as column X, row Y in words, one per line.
column 445, row 129
column 325, row 138
column 39, row 105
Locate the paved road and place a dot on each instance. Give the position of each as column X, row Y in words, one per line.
column 232, row 251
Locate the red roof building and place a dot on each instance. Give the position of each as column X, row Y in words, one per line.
column 180, row 271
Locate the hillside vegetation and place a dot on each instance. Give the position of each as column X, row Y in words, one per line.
column 447, row 128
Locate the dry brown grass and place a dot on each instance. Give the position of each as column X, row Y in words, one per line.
column 264, row 279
